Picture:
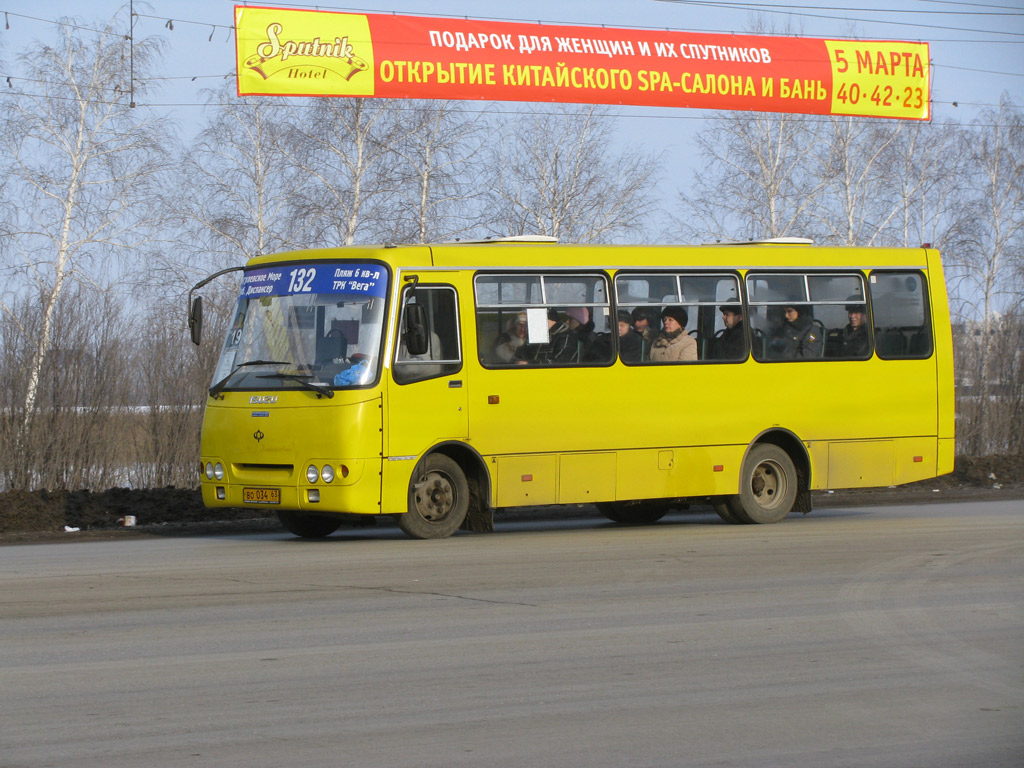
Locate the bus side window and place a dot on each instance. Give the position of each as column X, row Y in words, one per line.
column 556, row 319
column 443, row 355
column 809, row 315
column 900, row 312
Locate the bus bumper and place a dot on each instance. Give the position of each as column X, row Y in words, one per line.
column 356, row 494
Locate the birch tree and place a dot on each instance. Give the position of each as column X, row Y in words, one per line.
column 924, row 171
column 756, row 181
column 987, row 266
column 344, row 149
column 856, row 207
column 439, row 155
column 555, row 173
column 82, row 164
column 237, row 181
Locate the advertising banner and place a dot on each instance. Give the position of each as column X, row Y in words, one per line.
column 282, row 52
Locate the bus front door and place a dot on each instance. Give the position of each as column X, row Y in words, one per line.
column 427, row 391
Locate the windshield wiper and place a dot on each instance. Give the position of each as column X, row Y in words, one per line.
column 216, row 388
column 301, row 379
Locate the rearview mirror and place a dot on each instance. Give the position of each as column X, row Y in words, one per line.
column 195, row 320
column 414, row 334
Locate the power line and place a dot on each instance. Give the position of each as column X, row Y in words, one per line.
column 169, row 23
column 970, row 5
column 980, row 71
column 915, row 12
column 745, row 6
column 310, row 104
column 771, row 9
column 56, row 22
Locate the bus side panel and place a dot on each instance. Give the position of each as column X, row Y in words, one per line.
column 672, row 425
column 665, row 473
column 585, row 478
column 395, row 474
column 943, row 338
column 527, row 480
column 916, row 458
column 860, row 464
column 946, row 455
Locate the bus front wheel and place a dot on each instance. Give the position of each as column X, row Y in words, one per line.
column 438, row 499
column 308, row 526
column 768, row 487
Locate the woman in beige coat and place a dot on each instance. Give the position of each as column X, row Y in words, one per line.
column 673, row 344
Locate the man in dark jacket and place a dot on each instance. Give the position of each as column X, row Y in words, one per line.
column 856, row 342
column 731, row 344
column 645, row 323
column 630, row 342
column 561, row 347
column 799, row 337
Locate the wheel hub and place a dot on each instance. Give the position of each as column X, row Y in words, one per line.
column 765, row 484
column 435, row 497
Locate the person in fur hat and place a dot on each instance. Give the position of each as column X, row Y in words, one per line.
column 673, row 344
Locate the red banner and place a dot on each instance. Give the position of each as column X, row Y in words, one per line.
column 321, row 53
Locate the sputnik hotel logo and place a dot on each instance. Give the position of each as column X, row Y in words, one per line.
column 283, row 52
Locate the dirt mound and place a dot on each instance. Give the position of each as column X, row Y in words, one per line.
column 987, row 471
column 50, row 511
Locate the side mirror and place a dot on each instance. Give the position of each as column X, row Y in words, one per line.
column 195, row 320
column 414, row 334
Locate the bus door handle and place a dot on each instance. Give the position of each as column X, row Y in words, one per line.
column 455, row 384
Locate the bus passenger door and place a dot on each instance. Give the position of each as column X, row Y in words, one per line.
column 427, row 391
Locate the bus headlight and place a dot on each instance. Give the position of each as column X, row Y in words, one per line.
column 209, row 470
column 218, row 471
column 312, row 473
column 327, row 473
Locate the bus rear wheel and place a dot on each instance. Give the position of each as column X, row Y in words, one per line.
column 308, row 526
column 768, row 486
column 438, row 499
column 633, row 513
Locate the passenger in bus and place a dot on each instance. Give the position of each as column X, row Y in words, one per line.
column 511, row 339
column 592, row 347
column 731, row 344
column 673, row 344
column 799, row 337
column 560, row 348
column 645, row 323
column 563, row 345
column 630, row 342
column 409, row 368
column 856, row 342
column 579, row 322
column 332, row 347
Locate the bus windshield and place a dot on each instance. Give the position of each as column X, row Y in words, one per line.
column 314, row 326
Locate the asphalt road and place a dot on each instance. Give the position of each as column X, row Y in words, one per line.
column 888, row 636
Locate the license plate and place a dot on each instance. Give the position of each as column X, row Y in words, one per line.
column 261, row 495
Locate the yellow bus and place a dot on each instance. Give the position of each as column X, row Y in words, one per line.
column 442, row 383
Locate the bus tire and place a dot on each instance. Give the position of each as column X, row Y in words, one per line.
column 308, row 526
column 724, row 508
column 633, row 513
column 438, row 499
column 768, row 486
